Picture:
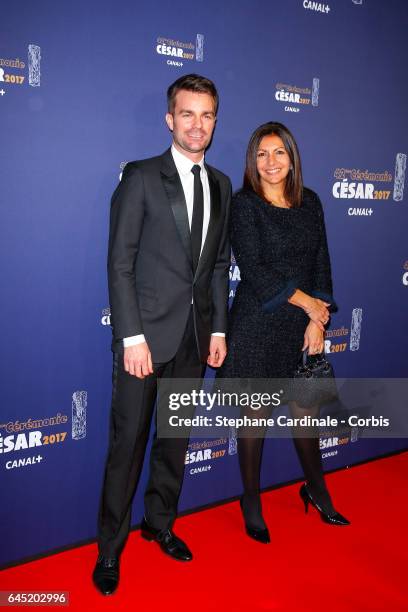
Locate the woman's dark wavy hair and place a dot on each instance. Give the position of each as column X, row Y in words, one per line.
column 294, row 180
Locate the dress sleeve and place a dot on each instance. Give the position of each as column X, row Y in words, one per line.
column 322, row 279
column 267, row 282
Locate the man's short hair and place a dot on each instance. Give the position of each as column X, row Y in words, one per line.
column 191, row 82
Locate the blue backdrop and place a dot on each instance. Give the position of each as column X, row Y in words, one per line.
column 82, row 91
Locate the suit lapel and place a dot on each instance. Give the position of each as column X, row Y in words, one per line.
column 215, row 213
column 174, row 189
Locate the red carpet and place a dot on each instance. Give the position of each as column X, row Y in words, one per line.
column 308, row 566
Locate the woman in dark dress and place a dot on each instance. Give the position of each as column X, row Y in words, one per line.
column 282, row 303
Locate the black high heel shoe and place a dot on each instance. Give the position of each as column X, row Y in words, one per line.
column 260, row 535
column 334, row 519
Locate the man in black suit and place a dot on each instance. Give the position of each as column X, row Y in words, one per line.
column 168, row 266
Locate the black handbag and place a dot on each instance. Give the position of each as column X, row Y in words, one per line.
column 313, row 381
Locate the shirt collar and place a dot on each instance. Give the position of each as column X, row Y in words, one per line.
column 183, row 163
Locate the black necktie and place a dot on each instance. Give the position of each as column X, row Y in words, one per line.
column 198, row 214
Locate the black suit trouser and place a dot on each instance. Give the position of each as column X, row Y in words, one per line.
column 132, row 408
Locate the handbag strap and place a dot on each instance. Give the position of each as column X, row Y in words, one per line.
column 305, row 355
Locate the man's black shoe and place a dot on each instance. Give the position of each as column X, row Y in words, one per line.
column 168, row 542
column 106, row 574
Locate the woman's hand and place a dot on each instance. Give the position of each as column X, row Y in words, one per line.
column 318, row 312
column 314, row 339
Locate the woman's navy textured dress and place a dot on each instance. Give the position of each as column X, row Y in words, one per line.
column 278, row 250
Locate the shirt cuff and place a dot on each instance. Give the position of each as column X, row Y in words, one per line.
column 133, row 340
column 219, row 334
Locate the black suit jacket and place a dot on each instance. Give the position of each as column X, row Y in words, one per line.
column 151, row 281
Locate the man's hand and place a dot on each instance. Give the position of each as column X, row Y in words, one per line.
column 137, row 360
column 314, row 339
column 218, row 351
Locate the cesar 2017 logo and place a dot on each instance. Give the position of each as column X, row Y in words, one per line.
column 177, row 51
column 8, row 76
column 297, row 96
column 356, row 184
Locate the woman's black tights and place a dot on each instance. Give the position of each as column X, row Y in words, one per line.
column 250, row 446
column 306, row 442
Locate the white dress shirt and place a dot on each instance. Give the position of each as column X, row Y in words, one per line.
column 184, row 166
